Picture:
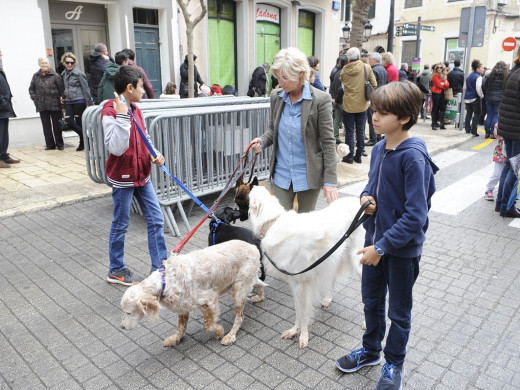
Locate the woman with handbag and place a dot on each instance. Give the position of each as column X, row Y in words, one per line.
column 439, row 85
column 77, row 95
column 46, row 91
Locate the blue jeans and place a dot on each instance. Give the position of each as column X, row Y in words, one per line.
column 491, row 116
column 122, row 198
column 508, row 177
column 396, row 275
column 355, row 120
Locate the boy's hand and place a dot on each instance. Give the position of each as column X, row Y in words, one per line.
column 120, row 106
column 256, row 145
column 159, row 160
column 370, row 210
column 370, row 257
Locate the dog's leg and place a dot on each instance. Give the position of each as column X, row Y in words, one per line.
column 306, row 314
column 297, row 296
column 210, row 312
column 176, row 337
column 260, row 291
column 239, row 293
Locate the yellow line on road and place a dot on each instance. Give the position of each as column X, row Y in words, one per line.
column 485, row 143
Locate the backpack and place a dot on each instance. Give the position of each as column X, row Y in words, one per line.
column 229, row 90
column 216, row 90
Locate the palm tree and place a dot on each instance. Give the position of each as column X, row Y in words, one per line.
column 359, row 18
column 190, row 26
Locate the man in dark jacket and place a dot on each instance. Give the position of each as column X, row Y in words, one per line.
column 258, row 82
column 456, row 78
column 375, row 61
column 6, row 112
column 336, row 69
column 336, row 91
column 148, row 88
column 98, row 63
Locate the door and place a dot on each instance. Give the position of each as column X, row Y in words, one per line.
column 147, row 55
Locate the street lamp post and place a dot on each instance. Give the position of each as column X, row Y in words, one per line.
column 368, row 31
column 346, row 34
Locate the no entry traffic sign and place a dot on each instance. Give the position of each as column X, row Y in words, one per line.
column 509, row 44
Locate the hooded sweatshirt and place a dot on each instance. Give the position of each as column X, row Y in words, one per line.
column 106, row 86
column 401, row 180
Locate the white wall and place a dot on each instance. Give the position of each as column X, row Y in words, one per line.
column 22, row 44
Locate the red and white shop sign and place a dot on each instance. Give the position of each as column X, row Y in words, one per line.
column 267, row 13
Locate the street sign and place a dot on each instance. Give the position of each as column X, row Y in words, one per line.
column 509, row 44
column 409, row 26
column 427, row 28
column 479, row 26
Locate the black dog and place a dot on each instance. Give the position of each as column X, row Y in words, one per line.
column 220, row 230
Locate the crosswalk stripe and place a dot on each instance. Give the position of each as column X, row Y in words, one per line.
column 461, row 194
column 515, row 223
column 449, row 157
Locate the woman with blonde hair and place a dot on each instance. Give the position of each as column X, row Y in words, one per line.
column 439, row 84
column 77, row 95
column 301, row 132
column 46, row 91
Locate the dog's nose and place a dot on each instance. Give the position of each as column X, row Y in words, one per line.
column 122, row 326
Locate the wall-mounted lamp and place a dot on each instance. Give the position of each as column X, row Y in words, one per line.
column 346, row 32
column 368, row 31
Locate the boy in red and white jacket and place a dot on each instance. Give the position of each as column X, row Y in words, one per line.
column 128, row 169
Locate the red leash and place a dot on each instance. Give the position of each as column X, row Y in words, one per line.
column 232, row 179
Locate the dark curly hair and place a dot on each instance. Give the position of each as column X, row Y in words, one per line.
column 475, row 64
column 499, row 71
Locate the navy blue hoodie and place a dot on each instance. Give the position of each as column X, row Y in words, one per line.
column 402, row 184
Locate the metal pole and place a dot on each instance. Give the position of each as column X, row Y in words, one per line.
column 467, row 63
column 418, row 46
column 390, row 31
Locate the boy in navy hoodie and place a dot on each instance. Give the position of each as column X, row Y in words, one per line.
column 400, row 186
column 128, row 169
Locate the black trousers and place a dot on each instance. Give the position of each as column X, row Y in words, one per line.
column 438, row 108
column 73, row 115
column 51, row 128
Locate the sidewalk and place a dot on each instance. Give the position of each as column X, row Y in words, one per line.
column 46, row 179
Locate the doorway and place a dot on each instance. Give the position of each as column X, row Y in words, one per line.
column 147, row 55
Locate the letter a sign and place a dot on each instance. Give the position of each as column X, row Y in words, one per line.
column 509, row 44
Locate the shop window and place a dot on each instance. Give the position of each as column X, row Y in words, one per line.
column 222, row 49
column 306, row 22
column 412, row 3
column 408, row 52
column 453, row 51
column 146, row 16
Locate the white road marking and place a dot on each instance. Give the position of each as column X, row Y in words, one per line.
column 515, row 223
column 463, row 193
column 449, row 157
column 354, row 189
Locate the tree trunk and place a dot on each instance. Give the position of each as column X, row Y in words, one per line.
column 359, row 18
column 190, row 26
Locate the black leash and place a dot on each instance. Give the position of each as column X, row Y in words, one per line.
column 358, row 220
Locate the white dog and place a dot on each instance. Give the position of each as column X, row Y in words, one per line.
column 341, row 151
column 194, row 280
column 294, row 241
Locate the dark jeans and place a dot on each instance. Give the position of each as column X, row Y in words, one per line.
column 4, row 138
column 438, row 108
column 472, row 116
column 355, row 121
column 51, row 131
column 508, row 177
column 396, row 275
column 372, row 135
column 73, row 115
column 492, row 116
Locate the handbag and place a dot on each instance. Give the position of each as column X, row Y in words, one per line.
column 368, row 87
column 339, row 95
column 448, row 94
column 63, row 125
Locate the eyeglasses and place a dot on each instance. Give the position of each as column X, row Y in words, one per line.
column 69, row 62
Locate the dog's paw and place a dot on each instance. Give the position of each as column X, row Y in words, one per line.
column 326, row 302
column 228, row 339
column 219, row 332
column 172, row 340
column 289, row 334
column 257, row 298
column 304, row 342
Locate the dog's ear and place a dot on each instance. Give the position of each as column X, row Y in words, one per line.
column 149, row 305
column 254, row 182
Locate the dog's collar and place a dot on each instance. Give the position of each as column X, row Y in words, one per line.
column 163, row 281
column 265, row 228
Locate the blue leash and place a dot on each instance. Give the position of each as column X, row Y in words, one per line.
column 163, row 167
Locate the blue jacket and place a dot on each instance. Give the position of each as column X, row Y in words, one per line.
column 402, row 184
column 471, row 86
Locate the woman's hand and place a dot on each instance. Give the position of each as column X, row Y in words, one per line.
column 331, row 193
column 256, row 145
column 159, row 160
column 370, row 210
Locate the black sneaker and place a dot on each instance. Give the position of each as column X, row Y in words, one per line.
column 391, row 377
column 124, row 277
column 357, row 359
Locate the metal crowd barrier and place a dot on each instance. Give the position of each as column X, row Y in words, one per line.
column 202, row 140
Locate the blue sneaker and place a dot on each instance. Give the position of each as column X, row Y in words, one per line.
column 391, row 377
column 357, row 359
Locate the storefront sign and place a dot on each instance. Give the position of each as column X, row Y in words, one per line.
column 267, row 13
column 74, row 15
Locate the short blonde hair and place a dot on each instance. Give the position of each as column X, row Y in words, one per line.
column 68, row 55
column 291, row 64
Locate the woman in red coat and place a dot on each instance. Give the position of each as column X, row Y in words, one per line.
column 439, row 85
